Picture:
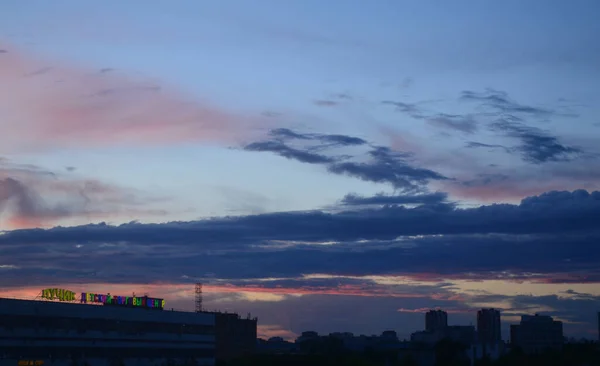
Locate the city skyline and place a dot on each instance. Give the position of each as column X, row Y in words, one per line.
column 313, row 164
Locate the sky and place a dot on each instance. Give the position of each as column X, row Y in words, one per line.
column 329, row 166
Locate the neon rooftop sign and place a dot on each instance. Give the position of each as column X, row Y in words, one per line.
column 89, row 297
column 131, row 301
column 59, row 294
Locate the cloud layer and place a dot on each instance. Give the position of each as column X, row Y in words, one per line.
column 31, row 196
column 549, row 235
column 50, row 105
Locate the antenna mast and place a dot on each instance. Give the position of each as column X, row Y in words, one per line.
column 198, row 297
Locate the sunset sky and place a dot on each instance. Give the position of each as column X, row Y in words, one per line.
column 335, row 165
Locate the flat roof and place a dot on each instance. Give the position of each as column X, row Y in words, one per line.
column 92, row 311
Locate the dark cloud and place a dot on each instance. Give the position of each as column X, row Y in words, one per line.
column 383, row 165
column 412, row 109
column 71, row 168
column 382, row 199
column 23, row 202
column 342, row 140
column 549, row 234
column 387, row 166
column 474, row 144
column 330, row 140
column 288, row 152
column 500, row 101
column 286, row 133
column 464, row 123
column 537, row 146
column 578, row 313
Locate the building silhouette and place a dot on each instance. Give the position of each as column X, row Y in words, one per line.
column 436, row 320
column 488, row 326
column 537, row 333
column 125, row 331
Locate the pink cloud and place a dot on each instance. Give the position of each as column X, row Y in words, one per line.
column 31, row 197
column 402, row 141
column 48, row 105
column 503, row 191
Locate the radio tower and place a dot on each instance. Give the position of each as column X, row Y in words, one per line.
column 198, row 297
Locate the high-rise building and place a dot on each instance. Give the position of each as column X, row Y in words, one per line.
column 488, row 326
column 436, row 320
column 537, row 333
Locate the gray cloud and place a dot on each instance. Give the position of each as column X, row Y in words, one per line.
column 474, row 144
column 382, row 199
column 548, row 234
column 412, row 109
column 334, row 140
column 461, row 123
column 27, row 204
column 288, row 152
column 485, row 179
column 506, row 116
column 500, row 101
column 387, row 166
column 537, row 146
column 33, row 195
column 383, row 166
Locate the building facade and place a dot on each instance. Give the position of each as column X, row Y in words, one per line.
column 57, row 333
column 537, row 333
column 436, row 320
column 488, row 326
column 235, row 337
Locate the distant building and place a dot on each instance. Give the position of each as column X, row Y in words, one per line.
column 536, row 333
column 276, row 345
column 428, row 338
column 493, row 351
column 488, row 326
column 307, row 336
column 436, row 320
column 464, row 334
column 389, row 335
column 341, row 335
